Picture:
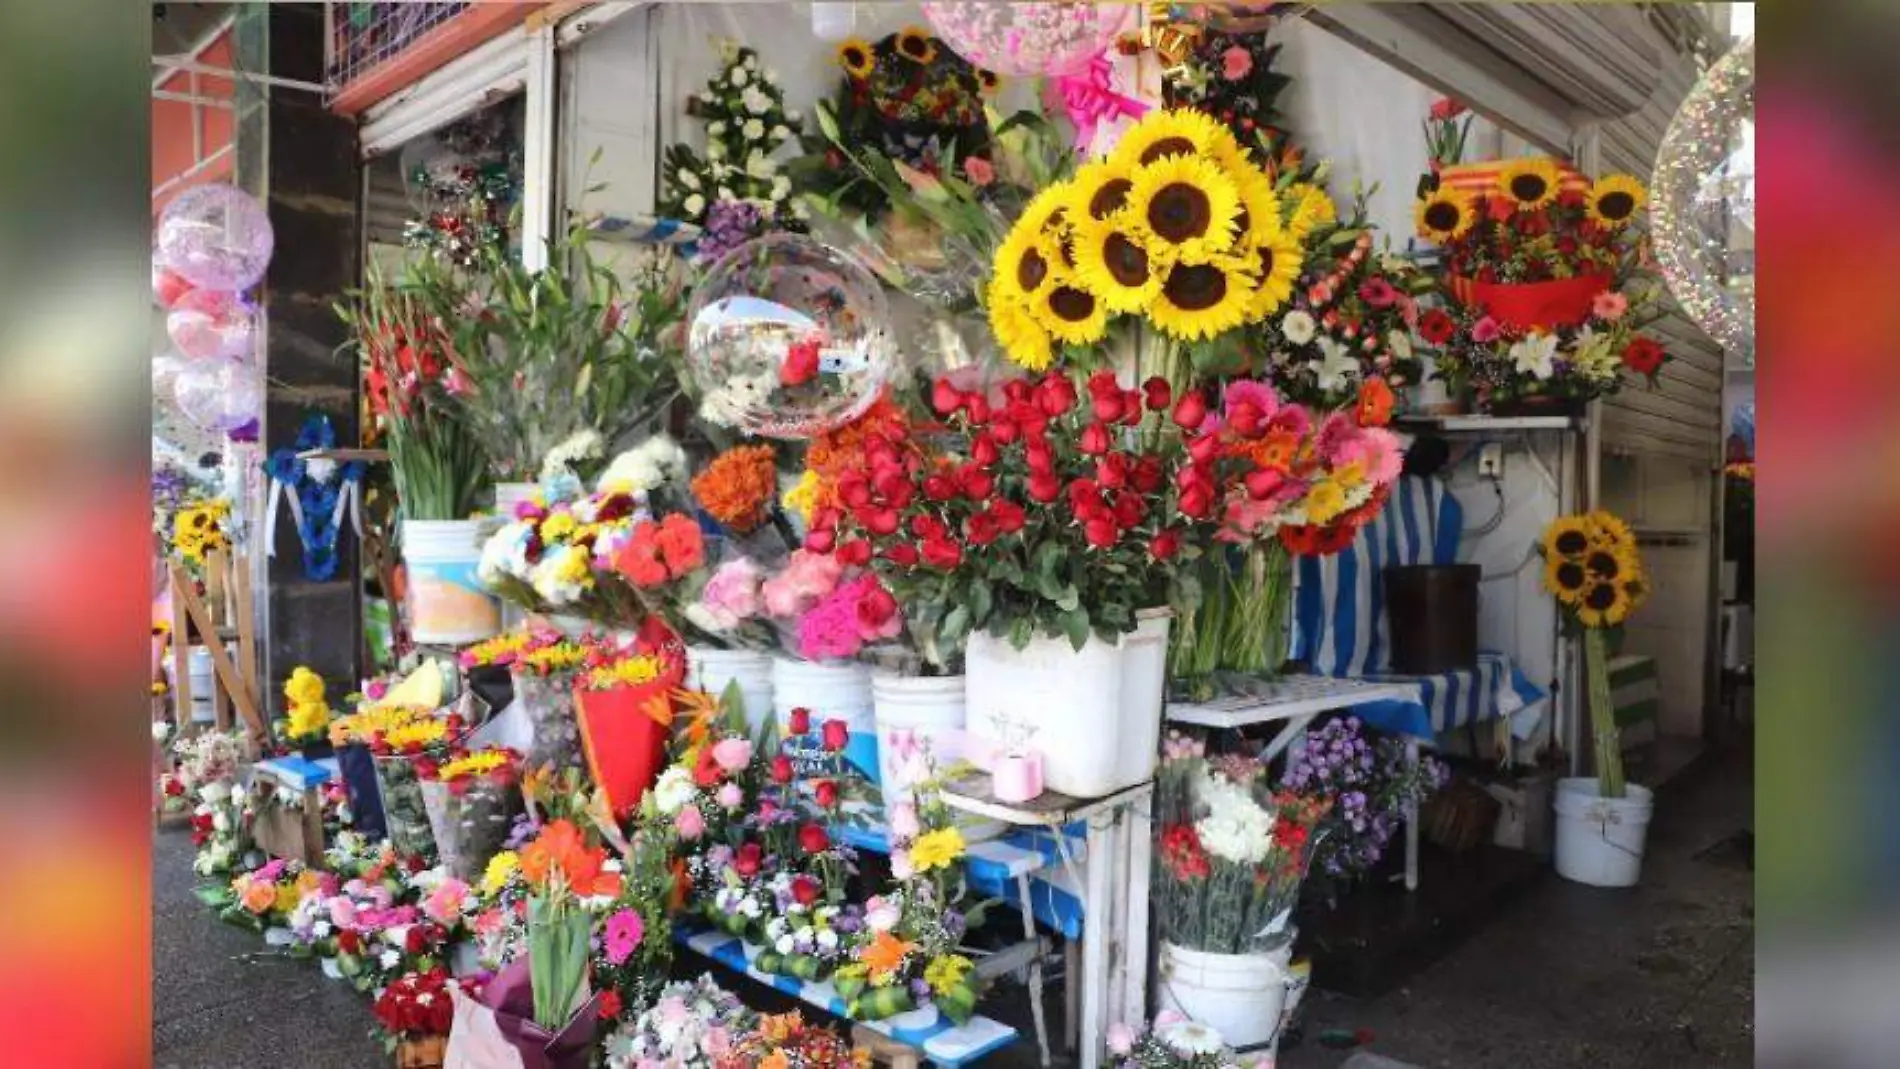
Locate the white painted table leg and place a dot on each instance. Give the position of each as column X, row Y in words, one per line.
column 1099, row 937
column 1411, row 819
column 1035, row 968
column 1140, row 853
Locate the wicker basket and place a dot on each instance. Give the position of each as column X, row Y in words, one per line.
column 428, row 1052
column 1460, row 817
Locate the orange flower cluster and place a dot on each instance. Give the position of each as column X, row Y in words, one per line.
column 839, row 451
column 560, row 854
column 657, row 552
column 739, row 486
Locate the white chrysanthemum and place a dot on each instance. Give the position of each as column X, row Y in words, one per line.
column 674, row 790
column 781, row 187
column 1190, row 1038
column 780, row 133
column 715, row 128
column 646, row 467
column 739, row 76
column 1399, row 344
column 1298, row 327
column 584, row 444
column 759, row 165
column 752, row 131
column 715, row 150
column 1535, row 356
column 755, row 102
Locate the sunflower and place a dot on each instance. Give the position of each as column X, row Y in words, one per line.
column 1111, row 261
column 1203, row 295
column 1565, row 579
column 915, row 43
column 1311, row 209
column 1605, row 566
column 1098, row 190
column 1603, row 605
column 1023, row 339
column 1023, row 263
column 854, row 54
column 1174, row 132
column 1261, row 213
column 1186, row 205
column 1276, row 262
column 1567, row 537
column 1069, row 312
column 1046, row 212
column 1444, row 216
column 1608, row 531
column 1615, row 199
column 1529, row 182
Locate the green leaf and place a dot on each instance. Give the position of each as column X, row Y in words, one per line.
column 1075, row 624
column 981, row 601
column 1069, row 600
column 956, row 624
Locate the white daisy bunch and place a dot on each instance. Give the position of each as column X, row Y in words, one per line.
column 659, row 461
column 1236, row 828
column 746, row 124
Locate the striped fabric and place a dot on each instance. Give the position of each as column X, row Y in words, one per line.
column 1339, row 620
column 943, row 1043
column 1481, row 178
column 651, row 230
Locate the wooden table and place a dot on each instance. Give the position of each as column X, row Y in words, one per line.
column 1111, row 982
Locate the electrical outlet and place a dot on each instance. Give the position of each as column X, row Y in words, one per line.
column 1491, row 461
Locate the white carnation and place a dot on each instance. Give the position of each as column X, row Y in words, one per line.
column 716, row 128
column 780, row 133
column 584, row 444
column 694, row 204
column 759, row 165
column 755, row 102
column 752, row 130
column 674, row 790
column 1298, row 327
column 688, row 179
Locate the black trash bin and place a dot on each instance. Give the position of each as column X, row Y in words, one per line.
column 1432, row 614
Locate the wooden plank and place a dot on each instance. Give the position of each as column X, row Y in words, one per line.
column 226, row 672
column 246, row 624
column 181, row 656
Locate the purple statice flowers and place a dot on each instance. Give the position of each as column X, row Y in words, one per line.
column 729, row 224
column 1369, row 785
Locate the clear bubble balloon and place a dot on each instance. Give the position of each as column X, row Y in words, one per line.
column 168, row 286
column 788, row 337
column 1029, row 40
column 216, row 237
column 166, row 367
column 1703, row 217
column 220, row 395
column 211, row 326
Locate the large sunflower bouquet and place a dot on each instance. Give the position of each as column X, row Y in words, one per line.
column 1594, row 570
column 1544, row 269
column 1177, row 230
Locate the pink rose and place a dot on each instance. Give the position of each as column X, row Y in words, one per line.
column 732, row 754
column 730, row 796
column 901, row 868
column 881, row 915
column 343, row 913
column 1121, row 1040
column 1236, row 63
column 690, row 823
column 1485, row 331
column 979, row 171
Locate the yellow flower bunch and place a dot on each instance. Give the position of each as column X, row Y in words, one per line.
column 937, row 849
column 1178, row 226
column 198, row 529
column 501, row 868
column 479, row 763
column 626, row 672
column 1593, row 568
column 421, row 731
column 363, row 726
column 507, row 645
column 308, row 720
column 304, row 687
column 560, row 657
column 802, row 498
column 944, row 974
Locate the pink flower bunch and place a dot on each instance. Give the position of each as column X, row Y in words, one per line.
column 806, row 579
column 855, row 614
column 733, row 595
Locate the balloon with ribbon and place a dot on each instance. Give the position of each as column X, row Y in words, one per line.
column 209, row 325
column 1030, row 40
column 1091, row 100
column 320, row 492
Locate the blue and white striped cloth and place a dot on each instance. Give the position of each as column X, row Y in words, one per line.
column 651, row 230
column 1340, row 628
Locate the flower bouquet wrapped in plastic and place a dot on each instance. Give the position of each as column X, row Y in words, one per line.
column 472, row 800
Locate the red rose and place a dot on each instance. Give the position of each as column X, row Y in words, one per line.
column 820, row 541
column 1040, row 455
column 939, row 488
column 1165, row 545
column 984, row 451
column 1112, row 471
column 1044, row 487
column 1148, row 474
column 879, row 521
column 1102, row 384
column 1056, row 395
column 1447, row 108
column 812, row 838
column 855, row 553
column 804, row 888
column 799, row 722
column 942, row 553
column 976, row 483
column 1131, row 407
column 1016, row 391
column 1436, row 327
column 979, row 408
column 1128, row 509
column 836, row 734
column 854, row 490
column 412, row 940
column 875, row 608
column 1190, row 411
column 1107, row 406
column 1643, row 355
column 609, row 1005
column 801, row 363
column 825, row 520
column 349, row 942
column 748, row 860
column 1262, row 483
column 1101, row 532
column 1204, row 449
column 945, row 398
column 826, row 792
column 1028, row 418
column 894, row 486
column 1005, row 431
column 1010, row 517
column 1197, row 503
column 1095, row 440
column 781, row 769
column 1159, row 394
column 904, row 555
column 982, row 529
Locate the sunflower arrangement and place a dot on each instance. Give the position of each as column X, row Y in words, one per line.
column 1593, row 569
column 197, row 529
column 1544, row 280
column 1178, row 229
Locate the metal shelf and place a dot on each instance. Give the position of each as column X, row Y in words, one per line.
column 1489, row 424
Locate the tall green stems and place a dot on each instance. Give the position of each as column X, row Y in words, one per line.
column 1240, row 623
column 1609, row 743
column 557, row 959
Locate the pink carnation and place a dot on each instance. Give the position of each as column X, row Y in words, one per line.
column 690, row 823
column 1246, row 391
column 806, row 579
column 732, row 594
column 1609, row 306
column 1235, row 63
column 830, row 631
column 1485, row 331
column 732, row 754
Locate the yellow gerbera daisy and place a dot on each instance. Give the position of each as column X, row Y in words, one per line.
column 1098, row 191
column 855, row 55
column 1565, row 579
column 1567, row 537
column 936, row 849
column 915, row 43
column 1021, row 336
column 1202, row 296
column 1529, row 182
column 1069, row 312
column 1615, row 199
column 1324, row 502
column 1276, row 259
column 1171, row 132
column 1445, row 216
column 1185, row 204
column 1111, row 261
column 1311, row 209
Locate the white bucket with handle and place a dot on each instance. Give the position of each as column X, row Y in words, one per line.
column 1600, row 840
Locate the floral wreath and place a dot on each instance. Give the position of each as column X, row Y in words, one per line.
column 319, row 491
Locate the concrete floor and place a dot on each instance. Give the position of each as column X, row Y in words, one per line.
column 1660, row 975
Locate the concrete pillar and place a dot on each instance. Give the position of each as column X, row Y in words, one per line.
column 302, row 162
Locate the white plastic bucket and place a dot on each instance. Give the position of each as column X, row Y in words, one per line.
column 204, row 677
column 711, row 669
column 835, row 691
column 1093, row 714
column 1238, row 995
column 930, row 708
column 1600, row 840
column 447, row 604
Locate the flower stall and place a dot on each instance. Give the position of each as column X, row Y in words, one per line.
column 938, row 489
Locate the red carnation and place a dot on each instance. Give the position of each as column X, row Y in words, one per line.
column 804, row 888
column 748, row 859
column 349, row 942
column 826, row 792
column 799, row 722
column 1165, row 545
column 1643, row 355
column 1436, row 327
column 836, row 734
column 812, row 838
column 412, row 940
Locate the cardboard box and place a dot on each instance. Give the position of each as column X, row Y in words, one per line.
column 1525, row 822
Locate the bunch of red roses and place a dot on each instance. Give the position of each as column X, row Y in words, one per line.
column 417, row 1004
column 1052, row 513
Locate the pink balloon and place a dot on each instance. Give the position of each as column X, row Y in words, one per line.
column 219, row 395
column 168, row 286
column 216, row 236
column 1028, row 40
column 226, row 334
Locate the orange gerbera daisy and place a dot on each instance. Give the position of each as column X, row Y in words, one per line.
column 1375, row 403
column 739, row 486
column 885, row 955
